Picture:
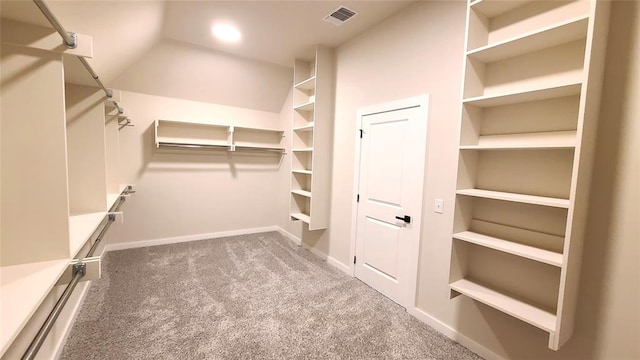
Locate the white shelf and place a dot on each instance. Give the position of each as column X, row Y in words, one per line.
column 547, row 37
column 311, row 124
column 241, row 128
column 520, row 198
column 308, row 127
column 305, row 172
column 302, row 193
column 510, row 247
column 24, row 287
column 542, row 93
column 308, row 84
column 493, row 8
column 303, row 217
column 543, row 140
column 308, row 106
column 81, row 227
column 514, row 307
column 166, row 140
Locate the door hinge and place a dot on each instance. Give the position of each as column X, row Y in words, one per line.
column 354, row 259
column 358, row 198
column 361, row 132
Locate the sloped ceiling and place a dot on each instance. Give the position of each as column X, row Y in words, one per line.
column 166, row 48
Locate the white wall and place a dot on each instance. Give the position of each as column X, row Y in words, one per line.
column 183, row 71
column 190, row 192
column 420, row 51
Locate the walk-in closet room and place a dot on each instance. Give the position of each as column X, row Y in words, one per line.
column 320, row 179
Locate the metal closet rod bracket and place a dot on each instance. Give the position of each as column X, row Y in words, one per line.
column 70, row 40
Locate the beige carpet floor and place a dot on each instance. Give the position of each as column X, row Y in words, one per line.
column 244, row 297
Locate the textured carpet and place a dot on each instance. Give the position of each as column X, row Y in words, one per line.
column 245, row 297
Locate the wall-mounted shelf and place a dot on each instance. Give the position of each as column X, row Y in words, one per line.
column 194, row 135
column 304, row 172
column 312, row 123
column 308, row 106
column 493, row 8
column 532, row 81
column 525, row 95
column 533, row 315
column 527, row 141
column 307, row 84
column 302, row 193
column 520, row 198
column 510, row 247
column 556, row 34
column 308, row 127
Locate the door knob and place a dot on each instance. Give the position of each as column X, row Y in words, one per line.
column 405, row 218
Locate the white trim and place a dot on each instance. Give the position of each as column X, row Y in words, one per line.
column 186, row 238
column 453, row 334
column 421, row 102
column 330, row 260
column 289, row 235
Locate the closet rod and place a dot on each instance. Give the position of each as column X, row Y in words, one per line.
column 70, row 40
column 79, row 270
column 38, row 340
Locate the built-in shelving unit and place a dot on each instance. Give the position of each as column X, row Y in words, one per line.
column 532, row 80
column 312, row 122
column 59, row 167
column 185, row 134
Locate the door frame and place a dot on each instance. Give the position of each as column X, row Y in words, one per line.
column 422, row 103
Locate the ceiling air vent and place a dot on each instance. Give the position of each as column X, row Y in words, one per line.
column 340, row 16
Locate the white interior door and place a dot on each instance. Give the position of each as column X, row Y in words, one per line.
column 392, row 158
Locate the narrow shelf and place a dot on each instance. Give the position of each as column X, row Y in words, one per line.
column 187, row 142
column 81, row 227
column 305, row 172
column 308, row 84
column 251, row 129
column 520, row 198
column 303, row 217
column 541, row 93
column 302, row 193
column 564, row 32
column 303, row 150
column 24, row 287
column 510, row 247
column 493, row 8
column 309, row 106
column 514, row 307
column 542, row 140
column 308, row 127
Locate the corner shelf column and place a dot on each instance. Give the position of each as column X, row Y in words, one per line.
column 312, row 138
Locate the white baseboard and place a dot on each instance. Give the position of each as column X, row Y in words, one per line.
column 180, row 239
column 453, row 334
column 330, row 260
column 289, row 235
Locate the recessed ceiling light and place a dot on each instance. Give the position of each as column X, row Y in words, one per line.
column 226, row 32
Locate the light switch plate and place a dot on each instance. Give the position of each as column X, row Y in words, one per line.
column 438, row 206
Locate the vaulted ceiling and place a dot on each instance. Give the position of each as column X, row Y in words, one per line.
column 166, row 47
